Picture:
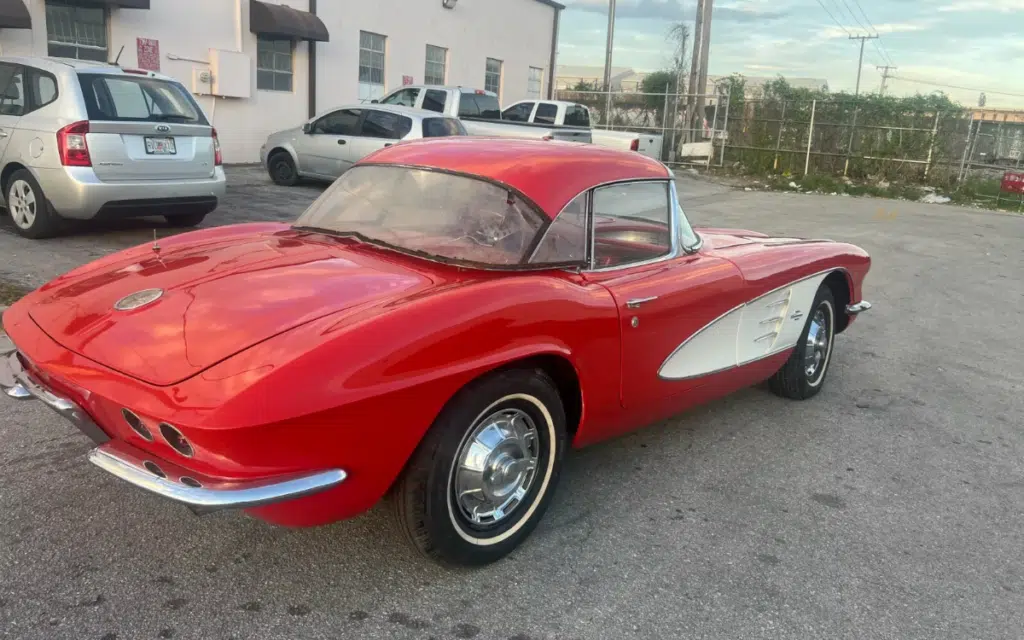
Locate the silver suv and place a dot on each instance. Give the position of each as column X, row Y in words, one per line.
column 89, row 140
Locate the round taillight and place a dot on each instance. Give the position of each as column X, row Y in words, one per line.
column 135, row 422
column 176, row 440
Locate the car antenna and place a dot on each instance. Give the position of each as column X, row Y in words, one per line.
column 156, row 245
column 115, row 62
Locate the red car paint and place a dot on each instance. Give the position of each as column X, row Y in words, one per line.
column 277, row 351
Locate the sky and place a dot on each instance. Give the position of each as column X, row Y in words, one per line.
column 974, row 44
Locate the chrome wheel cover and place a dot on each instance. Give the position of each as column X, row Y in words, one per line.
column 816, row 349
column 21, row 202
column 496, row 466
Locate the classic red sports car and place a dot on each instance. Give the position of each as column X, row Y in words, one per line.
column 440, row 325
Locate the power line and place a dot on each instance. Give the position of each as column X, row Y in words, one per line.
column 953, row 86
column 834, row 18
column 878, row 44
column 855, row 18
column 860, row 64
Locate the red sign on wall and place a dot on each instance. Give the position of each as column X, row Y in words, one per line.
column 406, row 80
column 1013, row 183
column 149, row 53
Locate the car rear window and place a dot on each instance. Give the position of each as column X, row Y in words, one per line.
column 138, row 99
column 577, row 116
column 479, row 105
column 440, row 127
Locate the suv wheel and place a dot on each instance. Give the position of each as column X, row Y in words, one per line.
column 29, row 209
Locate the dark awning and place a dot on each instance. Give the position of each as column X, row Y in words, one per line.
column 14, row 15
column 285, row 22
column 124, row 4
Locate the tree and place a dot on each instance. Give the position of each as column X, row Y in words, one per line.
column 679, row 37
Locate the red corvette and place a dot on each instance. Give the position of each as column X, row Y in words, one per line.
column 440, row 326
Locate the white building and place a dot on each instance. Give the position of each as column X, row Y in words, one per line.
column 258, row 66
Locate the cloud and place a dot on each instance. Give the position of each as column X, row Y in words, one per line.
column 996, row 6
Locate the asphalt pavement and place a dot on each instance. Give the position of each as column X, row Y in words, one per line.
column 889, row 506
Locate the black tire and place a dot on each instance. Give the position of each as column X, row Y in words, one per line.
column 30, row 211
column 795, row 380
column 424, row 497
column 186, row 219
column 282, row 169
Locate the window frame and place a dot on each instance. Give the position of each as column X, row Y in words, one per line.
column 520, row 105
column 77, row 45
column 366, row 113
column 540, row 82
column 443, row 63
column 397, row 92
column 358, row 125
column 384, row 61
column 499, row 73
column 274, row 71
column 547, row 106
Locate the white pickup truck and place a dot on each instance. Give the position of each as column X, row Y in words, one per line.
column 561, row 113
column 479, row 112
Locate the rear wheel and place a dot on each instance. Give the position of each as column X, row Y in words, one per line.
column 803, row 375
column 29, row 209
column 186, row 219
column 486, row 471
column 282, row 169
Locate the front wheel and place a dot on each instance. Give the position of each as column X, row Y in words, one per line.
column 803, row 375
column 486, row 471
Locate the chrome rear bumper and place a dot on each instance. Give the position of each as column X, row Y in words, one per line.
column 860, row 307
column 200, row 493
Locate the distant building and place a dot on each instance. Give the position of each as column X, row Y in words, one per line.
column 624, row 79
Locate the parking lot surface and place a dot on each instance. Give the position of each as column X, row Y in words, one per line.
column 889, row 506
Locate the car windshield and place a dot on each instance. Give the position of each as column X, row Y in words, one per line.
column 444, row 216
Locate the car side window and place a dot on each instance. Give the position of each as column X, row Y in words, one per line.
column 546, row 114
column 344, row 122
column 565, row 240
column 405, row 98
column 441, row 127
column 42, row 88
column 577, row 116
column 632, row 223
column 518, row 112
column 434, row 99
column 384, row 124
column 12, row 90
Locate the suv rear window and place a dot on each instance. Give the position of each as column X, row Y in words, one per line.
column 479, row 105
column 138, row 99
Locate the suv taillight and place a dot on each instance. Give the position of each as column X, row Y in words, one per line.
column 72, row 146
column 218, row 160
column 635, row 145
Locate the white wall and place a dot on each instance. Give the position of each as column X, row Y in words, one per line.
column 518, row 32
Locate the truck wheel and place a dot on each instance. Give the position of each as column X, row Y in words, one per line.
column 486, row 471
column 29, row 209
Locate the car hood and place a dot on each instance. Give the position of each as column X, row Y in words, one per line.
column 217, row 298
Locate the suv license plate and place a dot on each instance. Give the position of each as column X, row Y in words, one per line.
column 160, row 146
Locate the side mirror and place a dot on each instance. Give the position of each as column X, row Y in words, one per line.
column 307, row 127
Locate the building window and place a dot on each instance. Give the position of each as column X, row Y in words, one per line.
column 437, row 62
column 492, row 78
column 535, row 82
column 76, row 32
column 371, row 65
column 273, row 64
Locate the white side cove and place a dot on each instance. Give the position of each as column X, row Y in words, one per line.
column 762, row 327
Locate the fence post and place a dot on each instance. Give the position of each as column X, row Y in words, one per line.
column 967, row 146
column 931, row 146
column 725, row 129
column 664, row 121
column 810, row 137
column 853, row 132
column 714, row 123
column 778, row 141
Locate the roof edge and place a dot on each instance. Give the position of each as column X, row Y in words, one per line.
column 551, row 3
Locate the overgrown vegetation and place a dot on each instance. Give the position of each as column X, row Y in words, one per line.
column 10, row 292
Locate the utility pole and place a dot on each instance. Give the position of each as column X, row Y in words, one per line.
column 608, row 64
column 885, row 69
column 695, row 66
column 702, row 78
column 860, row 64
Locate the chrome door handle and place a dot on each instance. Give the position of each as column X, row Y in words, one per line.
column 636, row 302
column 341, row 142
column 3, row 134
